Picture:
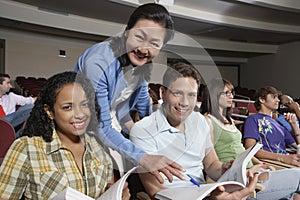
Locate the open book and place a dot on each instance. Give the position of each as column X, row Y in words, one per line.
column 114, row 192
column 233, row 179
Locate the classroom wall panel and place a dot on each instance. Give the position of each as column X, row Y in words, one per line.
column 280, row 70
column 37, row 55
column 230, row 72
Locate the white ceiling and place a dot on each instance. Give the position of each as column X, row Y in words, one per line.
column 251, row 25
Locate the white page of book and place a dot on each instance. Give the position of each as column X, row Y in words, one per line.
column 237, row 172
column 115, row 191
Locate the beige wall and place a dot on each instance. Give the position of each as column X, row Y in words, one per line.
column 30, row 54
column 280, row 70
column 37, row 55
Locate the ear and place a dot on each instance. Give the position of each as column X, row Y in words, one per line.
column 126, row 32
column 261, row 100
column 47, row 110
column 162, row 91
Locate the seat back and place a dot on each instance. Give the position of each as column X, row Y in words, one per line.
column 7, row 137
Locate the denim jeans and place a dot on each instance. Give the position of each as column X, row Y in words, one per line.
column 19, row 117
column 282, row 185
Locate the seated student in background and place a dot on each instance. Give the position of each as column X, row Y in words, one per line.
column 59, row 145
column 181, row 134
column 261, row 127
column 287, row 105
column 227, row 139
column 9, row 101
column 154, row 100
column 217, row 101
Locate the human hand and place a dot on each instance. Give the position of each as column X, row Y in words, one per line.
column 291, row 118
column 226, row 166
column 157, row 163
column 221, row 194
column 261, row 167
column 125, row 192
column 292, row 159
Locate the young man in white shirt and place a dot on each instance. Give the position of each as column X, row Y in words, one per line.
column 181, row 134
column 9, row 101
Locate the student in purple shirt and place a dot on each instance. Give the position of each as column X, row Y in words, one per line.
column 261, row 127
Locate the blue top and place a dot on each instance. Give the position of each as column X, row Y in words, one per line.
column 269, row 132
column 103, row 69
column 281, row 119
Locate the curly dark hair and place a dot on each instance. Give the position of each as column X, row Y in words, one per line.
column 39, row 123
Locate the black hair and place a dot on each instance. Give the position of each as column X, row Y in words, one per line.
column 2, row 76
column 282, row 108
column 150, row 11
column 39, row 123
column 156, row 13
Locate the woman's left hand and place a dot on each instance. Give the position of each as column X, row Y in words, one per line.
column 125, row 192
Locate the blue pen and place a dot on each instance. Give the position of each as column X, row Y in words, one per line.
column 191, row 179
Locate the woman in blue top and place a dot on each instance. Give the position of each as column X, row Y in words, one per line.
column 119, row 69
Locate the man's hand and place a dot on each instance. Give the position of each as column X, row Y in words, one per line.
column 242, row 194
column 226, row 166
column 157, row 163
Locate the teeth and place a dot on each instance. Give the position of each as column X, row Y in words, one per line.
column 180, row 110
column 78, row 125
column 141, row 56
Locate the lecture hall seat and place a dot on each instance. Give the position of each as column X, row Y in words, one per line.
column 7, row 137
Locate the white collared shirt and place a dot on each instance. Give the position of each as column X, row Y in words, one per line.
column 10, row 100
column 154, row 135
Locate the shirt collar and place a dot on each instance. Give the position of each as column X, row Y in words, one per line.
column 56, row 144
column 163, row 123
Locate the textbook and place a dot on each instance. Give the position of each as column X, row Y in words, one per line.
column 233, row 179
column 114, row 192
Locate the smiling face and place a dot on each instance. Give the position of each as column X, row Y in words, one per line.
column 179, row 100
column 144, row 41
column 71, row 111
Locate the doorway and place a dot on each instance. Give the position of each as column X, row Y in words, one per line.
column 2, row 56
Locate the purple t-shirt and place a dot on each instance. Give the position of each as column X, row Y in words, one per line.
column 269, row 132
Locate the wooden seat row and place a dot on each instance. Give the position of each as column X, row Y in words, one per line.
column 29, row 86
